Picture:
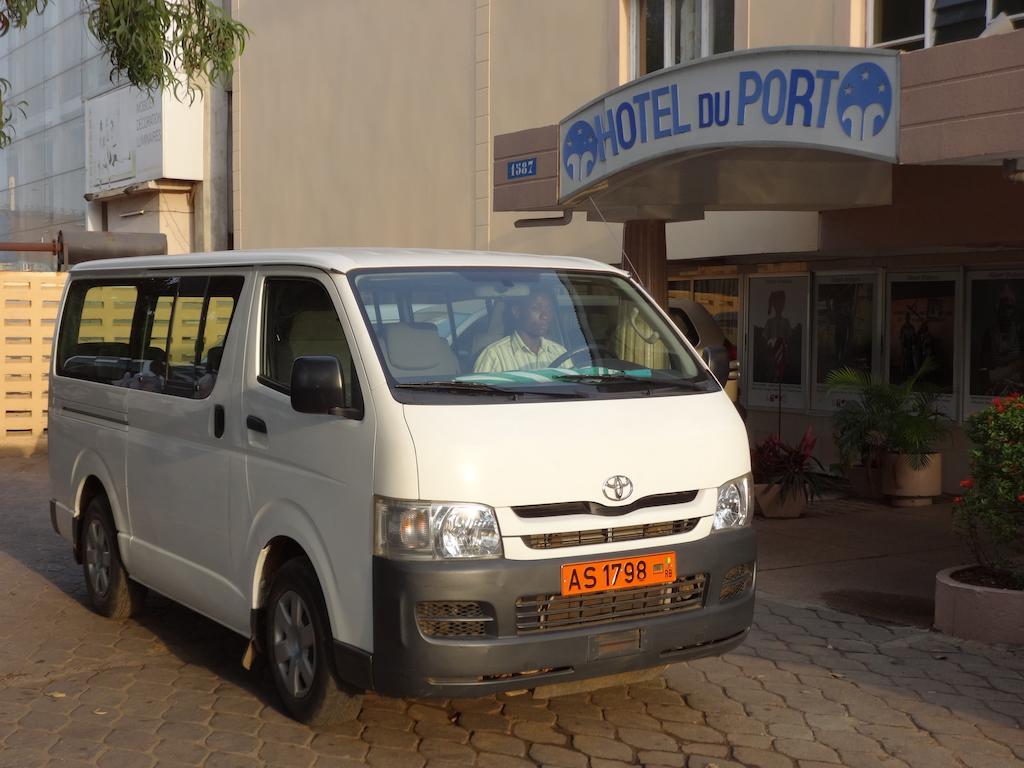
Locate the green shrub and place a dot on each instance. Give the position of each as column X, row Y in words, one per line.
column 991, row 511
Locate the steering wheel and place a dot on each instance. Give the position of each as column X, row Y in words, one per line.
column 599, row 355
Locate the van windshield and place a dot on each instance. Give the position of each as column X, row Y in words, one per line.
column 458, row 334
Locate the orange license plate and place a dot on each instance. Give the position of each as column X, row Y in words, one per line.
column 620, row 573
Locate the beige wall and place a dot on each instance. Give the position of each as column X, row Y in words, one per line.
column 726, row 233
column 763, row 23
column 548, row 59
column 355, row 123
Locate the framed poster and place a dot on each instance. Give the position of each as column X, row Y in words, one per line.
column 922, row 325
column 777, row 329
column 995, row 337
column 845, row 330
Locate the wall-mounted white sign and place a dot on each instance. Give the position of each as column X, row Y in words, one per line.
column 840, row 99
column 131, row 136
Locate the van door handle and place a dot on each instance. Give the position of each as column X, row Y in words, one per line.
column 256, row 424
column 218, row 421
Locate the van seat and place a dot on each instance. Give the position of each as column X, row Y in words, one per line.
column 416, row 349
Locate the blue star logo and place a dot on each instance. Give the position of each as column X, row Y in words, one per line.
column 865, row 101
column 579, row 151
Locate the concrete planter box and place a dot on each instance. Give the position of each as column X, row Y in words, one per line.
column 978, row 613
column 770, row 501
column 909, row 487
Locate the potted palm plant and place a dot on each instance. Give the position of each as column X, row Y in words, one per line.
column 893, row 430
column 786, row 476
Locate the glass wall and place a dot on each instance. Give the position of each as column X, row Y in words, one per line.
column 53, row 65
column 963, row 324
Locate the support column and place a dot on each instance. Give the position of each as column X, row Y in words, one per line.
column 644, row 244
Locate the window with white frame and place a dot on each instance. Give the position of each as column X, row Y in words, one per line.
column 913, row 24
column 668, row 32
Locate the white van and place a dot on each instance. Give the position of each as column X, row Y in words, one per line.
column 425, row 473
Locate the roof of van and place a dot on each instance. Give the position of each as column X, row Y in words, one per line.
column 344, row 260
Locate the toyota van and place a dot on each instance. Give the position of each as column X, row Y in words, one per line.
column 422, row 473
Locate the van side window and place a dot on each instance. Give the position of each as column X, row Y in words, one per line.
column 299, row 319
column 202, row 313
column 218, row 309
column 154, row 334
column 95, row 331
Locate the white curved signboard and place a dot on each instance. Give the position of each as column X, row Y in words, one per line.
column 839, row 99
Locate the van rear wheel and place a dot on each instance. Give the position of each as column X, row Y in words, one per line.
column 299, row 649
column 112, row 593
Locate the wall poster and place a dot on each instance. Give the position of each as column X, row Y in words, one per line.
column 844, row 330
column 922, row 326
column 777, row 322
column 995, row 336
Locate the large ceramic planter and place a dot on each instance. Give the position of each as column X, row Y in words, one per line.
column 909, row 487
column 978, row 613
column 771, row 503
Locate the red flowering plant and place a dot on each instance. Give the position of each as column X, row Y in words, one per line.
column 990, row 509
column 794, row 467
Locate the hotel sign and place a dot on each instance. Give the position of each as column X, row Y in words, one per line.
column 838, row 99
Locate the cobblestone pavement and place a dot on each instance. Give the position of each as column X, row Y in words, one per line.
column 811, row 688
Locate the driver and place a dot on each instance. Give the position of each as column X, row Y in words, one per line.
column 525, row 349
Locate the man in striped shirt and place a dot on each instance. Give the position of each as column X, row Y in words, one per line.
column 525, row 349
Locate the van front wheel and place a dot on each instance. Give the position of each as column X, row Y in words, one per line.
column 112, row 593
column 299, row 646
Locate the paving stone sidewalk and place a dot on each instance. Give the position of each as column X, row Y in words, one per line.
column 811, row 688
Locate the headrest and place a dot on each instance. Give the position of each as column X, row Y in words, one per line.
column 417, row 347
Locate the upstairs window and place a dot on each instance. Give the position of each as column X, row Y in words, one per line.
column 669, row 32
column 896, row 24
column 909, row 25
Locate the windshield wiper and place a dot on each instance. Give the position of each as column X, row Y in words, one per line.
column 482, row 388
column 639, row 381
column 472, row 387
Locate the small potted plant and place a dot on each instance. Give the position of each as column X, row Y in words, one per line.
column 893, row 431
column 985, row 601
column 786, row 477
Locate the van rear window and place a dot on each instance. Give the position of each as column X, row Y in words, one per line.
column 163, row 335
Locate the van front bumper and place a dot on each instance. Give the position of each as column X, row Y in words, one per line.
column 406, row 662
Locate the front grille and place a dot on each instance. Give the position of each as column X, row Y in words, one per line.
column 593, row 508
column 547, row 613
column 451, row 618
column 605, row 535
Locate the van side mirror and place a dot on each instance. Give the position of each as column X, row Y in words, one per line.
column 717, row 358
column 317, row 385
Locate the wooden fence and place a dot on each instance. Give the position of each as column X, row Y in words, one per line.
column 28, row 315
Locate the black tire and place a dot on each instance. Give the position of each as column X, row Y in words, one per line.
column 299, row 649
column 112, row 593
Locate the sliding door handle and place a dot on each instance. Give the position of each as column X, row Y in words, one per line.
column 256, row 424
column 218, row 421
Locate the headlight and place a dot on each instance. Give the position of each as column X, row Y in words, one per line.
column 734, row 504
column 435, row 530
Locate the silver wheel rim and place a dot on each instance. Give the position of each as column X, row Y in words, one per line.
column 97, row 558
column 294, row 644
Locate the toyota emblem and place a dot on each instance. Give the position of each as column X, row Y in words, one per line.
column 618, row 487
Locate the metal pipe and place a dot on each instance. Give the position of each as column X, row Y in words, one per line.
column 50, row 248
